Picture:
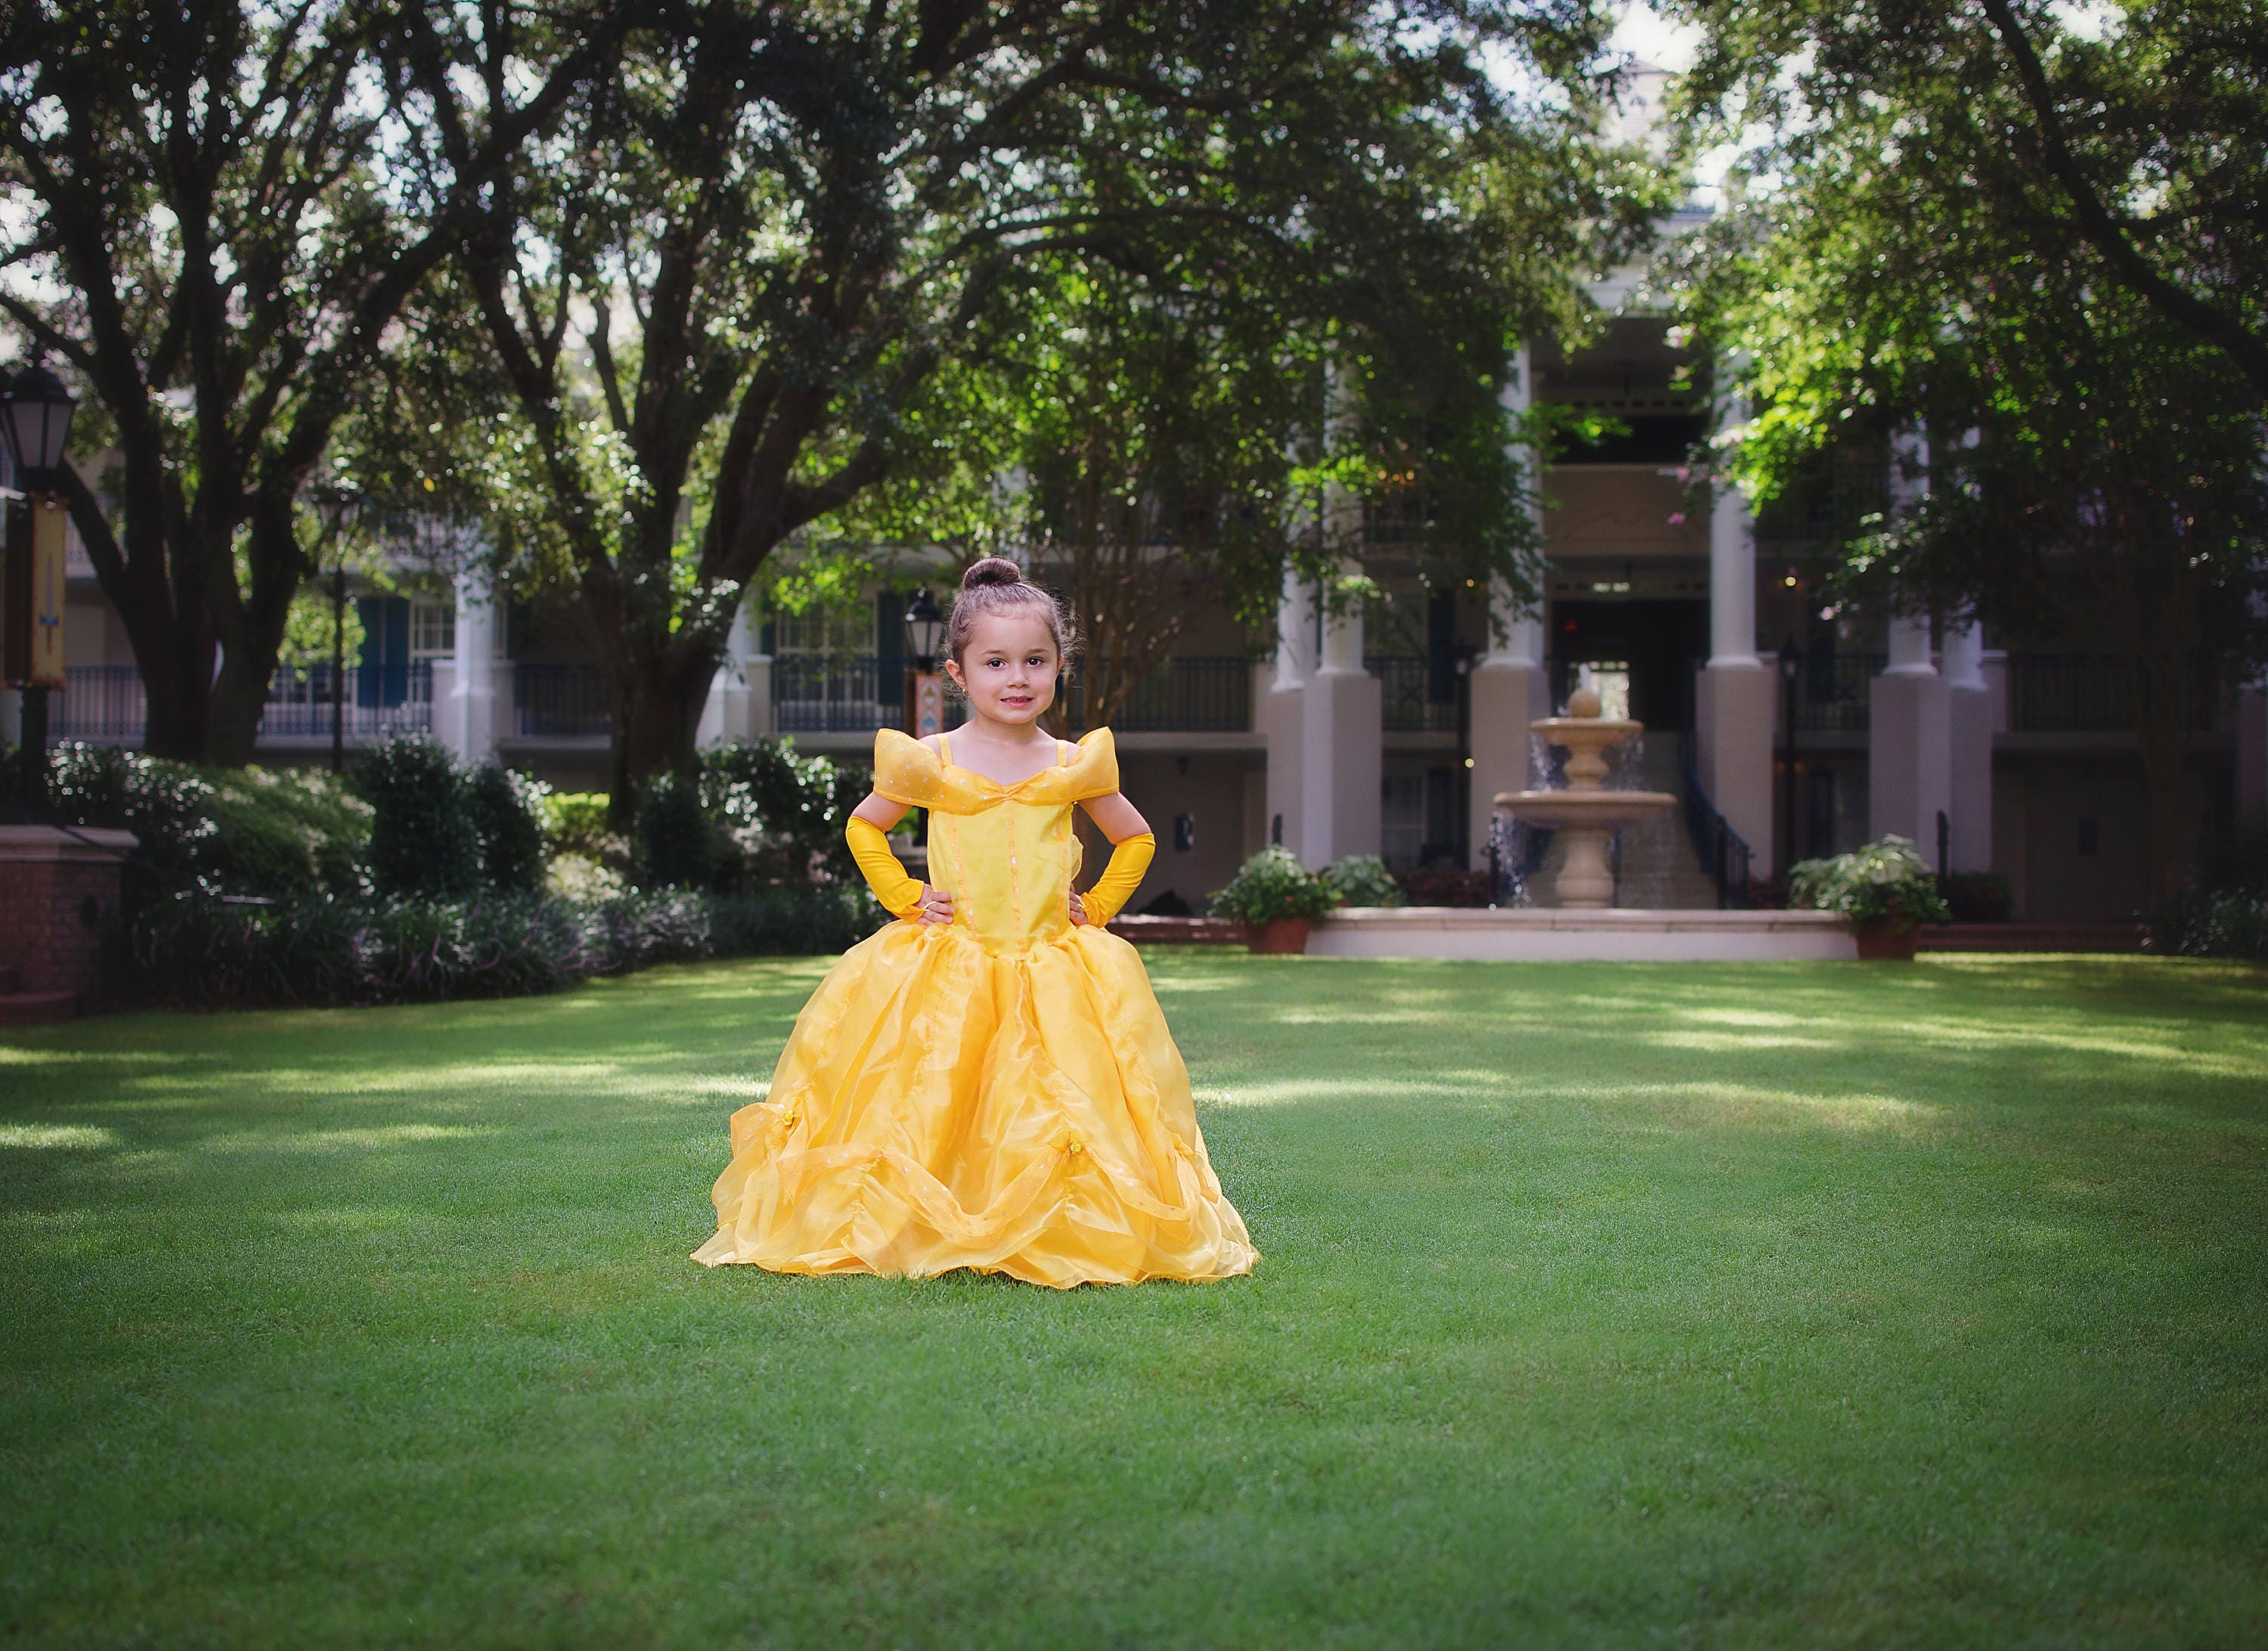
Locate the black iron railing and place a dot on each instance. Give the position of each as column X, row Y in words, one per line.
column 1834, row 691
column 377, row 701
column 1725, row 854
column 102, row 705
column 1406, row 685
column 2081, row 693
column 813, row 694
column 1190, row 694
column 559, row 702
column 106, row 704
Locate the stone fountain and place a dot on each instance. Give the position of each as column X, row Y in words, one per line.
column 1585, row 812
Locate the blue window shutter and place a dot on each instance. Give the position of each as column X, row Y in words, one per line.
column 890, row 646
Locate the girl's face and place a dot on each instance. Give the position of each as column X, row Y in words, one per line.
column 1008, row 669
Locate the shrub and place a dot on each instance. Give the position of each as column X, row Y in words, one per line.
column 1273, row 884
column 1979, row 896
column 1362, row 879
column 1444, row 885
column 507, row 812
column 424, row 840
column 575, row 822
column 1885, row 878
column 791, row 921
column 784, row 814
column 672, row 846
column 287, row 831
column 579, row 877
column 246, row 831
column 2225, row 914
column 205, row 951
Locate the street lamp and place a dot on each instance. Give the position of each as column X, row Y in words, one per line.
column 35, row 420
column 924, row 689
column 338, row 505
column 1791, row 663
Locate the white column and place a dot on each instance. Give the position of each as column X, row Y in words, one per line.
column 1736, row 709
column 728, row 718
column 1909, row 649
column 1341, row 652
column 1341, row 736
column 1732, row 582
column 1295, row 632
column 1509, row 688
column 1968, row 720
column 467, row 722
column 1282, row 709
column 1909, row 720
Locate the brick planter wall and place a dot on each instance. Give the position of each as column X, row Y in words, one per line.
column 58, row 893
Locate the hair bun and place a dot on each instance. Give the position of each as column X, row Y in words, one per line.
column 991, row 570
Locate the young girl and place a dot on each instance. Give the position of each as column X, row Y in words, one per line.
column 988, row 1082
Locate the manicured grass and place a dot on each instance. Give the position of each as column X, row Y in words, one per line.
column 1612, row 1305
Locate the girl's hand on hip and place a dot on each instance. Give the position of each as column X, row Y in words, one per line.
column 1078, row 911
column 936, row 905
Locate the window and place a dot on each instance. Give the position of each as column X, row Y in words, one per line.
column 835, row 632
column 432, row 630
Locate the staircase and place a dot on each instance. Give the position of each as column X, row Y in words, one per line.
column 19, row 1007
column 1658, row 869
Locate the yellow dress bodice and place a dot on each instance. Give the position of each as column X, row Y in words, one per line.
column 1006, row 854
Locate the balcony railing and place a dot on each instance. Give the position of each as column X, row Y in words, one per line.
column 1834, row 692
column 559, row 702
column 1195, row 694
column 2078, row 693
column 100, row 703
column 104, row 704
column 1406, row 684
column 378, row 701
column 813, row 694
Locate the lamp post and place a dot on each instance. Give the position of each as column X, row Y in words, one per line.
column 338, row 505
column 35, row 420
column 925, row 688
column 1790, row 663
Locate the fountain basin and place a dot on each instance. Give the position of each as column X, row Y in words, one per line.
column 1577, row 810
column 1584, row 820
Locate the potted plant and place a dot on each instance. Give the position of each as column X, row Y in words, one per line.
column 1276, row 898
column 1362, row 879
column 1885, row 889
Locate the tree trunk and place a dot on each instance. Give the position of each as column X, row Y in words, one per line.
column 657, row 718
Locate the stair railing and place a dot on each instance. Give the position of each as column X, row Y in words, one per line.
column 1725, row 854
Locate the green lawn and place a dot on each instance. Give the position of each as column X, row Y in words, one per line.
column 1603, row 1304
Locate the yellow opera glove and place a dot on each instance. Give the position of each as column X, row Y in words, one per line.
column 899, row 891
column 1129, row 859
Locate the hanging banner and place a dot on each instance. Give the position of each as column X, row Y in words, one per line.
column 32, row 593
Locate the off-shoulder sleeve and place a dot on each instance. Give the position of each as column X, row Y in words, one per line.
column 907, row 772
column 1093, row 772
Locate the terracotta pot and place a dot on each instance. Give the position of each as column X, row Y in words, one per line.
column 1278, row 937
column 1887, row 939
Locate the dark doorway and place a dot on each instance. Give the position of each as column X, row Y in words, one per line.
column 1658, row 640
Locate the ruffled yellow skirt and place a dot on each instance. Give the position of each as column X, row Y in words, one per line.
column 939, row 1105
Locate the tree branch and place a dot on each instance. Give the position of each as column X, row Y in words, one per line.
column 2226, row 332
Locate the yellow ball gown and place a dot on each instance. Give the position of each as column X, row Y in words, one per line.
column 998, row 1093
